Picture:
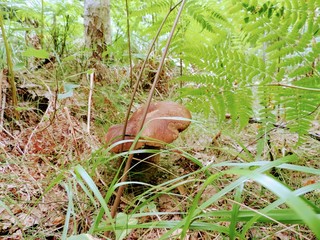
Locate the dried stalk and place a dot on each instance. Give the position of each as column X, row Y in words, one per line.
column 2, row 100
column 129, row 43
column 11, row 73
column 89, row 102
column 141, row 72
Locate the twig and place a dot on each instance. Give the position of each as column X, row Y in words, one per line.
column 2, row 101
column 72, row 131
column 15, row 140
column 129, row 43
column 55, row 103
column 276, row 126
column 141, row 72
column 35, row 130
column 89, row 102
column 283, row 126
column 130, row 157
column 16, row 114
column 3, row 105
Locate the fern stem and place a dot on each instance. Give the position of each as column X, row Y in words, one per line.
column 293, row 86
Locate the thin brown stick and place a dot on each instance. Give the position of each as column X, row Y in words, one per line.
column 276, row 126
column 2, row 101
column 90, row 101
column 15, row 112
column 55, row 103
column 72, row 130
column 141, row 72
column 129, row 160
column 129, row 42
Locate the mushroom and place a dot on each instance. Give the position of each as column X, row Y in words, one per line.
column 155, row 132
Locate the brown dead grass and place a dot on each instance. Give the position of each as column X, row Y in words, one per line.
column 31, row 157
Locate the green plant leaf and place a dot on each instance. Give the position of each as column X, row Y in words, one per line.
column 38, row 53
column 70, row 210
column 122, row 221
column 235, row 212
column 82, row 237
column 68, row 87
column 79, row 170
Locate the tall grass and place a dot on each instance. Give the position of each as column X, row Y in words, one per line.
column 289, row 207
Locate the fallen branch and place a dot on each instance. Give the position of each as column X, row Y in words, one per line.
column 89, row 102
column 283, row 126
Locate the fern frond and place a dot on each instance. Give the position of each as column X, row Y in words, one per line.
column 242, row 54
column 150, row 7
column 300, row 106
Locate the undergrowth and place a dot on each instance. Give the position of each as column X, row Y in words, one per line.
column 206, row 185
column 247, row 167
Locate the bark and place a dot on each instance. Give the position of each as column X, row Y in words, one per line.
column 97, row 25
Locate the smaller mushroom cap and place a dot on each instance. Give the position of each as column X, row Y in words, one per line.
column 162, row 130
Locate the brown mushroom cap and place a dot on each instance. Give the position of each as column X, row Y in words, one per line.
column 163, row 130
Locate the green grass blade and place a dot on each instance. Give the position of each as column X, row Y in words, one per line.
column 81, row 237
column 307, row 214
column 195, row 210
column 124, row 220
column 235, row 213
column 277, row 203
column 201, row 226
column 109, row 193
column 288, row 216
column 242, row 179
column 79, row 169
column 70, row 209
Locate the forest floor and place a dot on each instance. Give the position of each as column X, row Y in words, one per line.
column 39, row 152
